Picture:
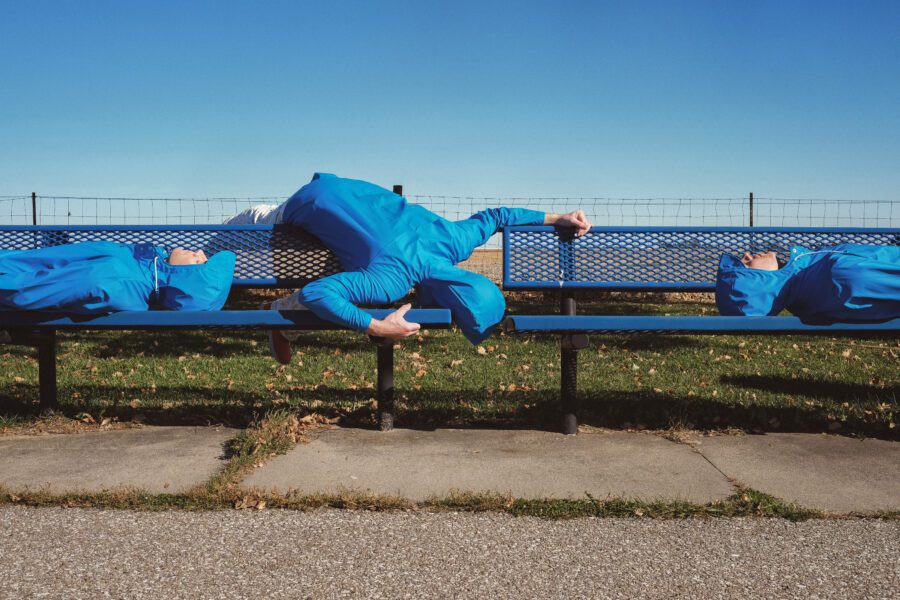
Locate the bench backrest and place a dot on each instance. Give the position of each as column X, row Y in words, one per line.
column 652, row 258
column 267, row 255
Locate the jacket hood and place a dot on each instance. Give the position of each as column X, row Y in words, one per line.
column 194, row 287
column 741, row 290
column 477, row 305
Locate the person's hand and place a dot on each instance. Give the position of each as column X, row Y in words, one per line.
column 575, row 219
column 394, row 326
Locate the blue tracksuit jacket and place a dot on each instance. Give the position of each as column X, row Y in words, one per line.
column 101, row 277
column 847, row 282
column 387, row 245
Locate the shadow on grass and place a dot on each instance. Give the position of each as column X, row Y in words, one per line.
column 193, row 406
column 217, row 344
column 166, row 344
column 812, row 388
column 623, row 409
column 431, row 409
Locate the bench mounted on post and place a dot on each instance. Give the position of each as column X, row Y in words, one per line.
column 268, row 256
column 652, row 259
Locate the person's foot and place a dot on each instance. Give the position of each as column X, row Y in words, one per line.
column 279, row 346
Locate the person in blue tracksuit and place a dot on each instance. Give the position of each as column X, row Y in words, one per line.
column 843, row 283
column 103, row 277
column 388, row 245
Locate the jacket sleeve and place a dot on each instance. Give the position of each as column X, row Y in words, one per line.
column 482, row 225
column 335, row 297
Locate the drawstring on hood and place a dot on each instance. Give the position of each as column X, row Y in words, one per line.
column 187, row 287
column 155, row 274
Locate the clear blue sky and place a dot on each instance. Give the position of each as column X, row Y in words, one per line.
column 556, row 98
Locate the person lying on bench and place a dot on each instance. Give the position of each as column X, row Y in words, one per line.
column 847, row 282
column 388, row 245
column 102, row 277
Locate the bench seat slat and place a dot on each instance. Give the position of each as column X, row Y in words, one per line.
column 158, row 319
column 558, row 324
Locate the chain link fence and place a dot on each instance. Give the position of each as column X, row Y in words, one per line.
column 746, row 211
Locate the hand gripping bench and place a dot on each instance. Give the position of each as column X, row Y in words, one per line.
column 268, row 256
column 653, row 259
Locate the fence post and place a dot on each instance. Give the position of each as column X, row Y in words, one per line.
column 33, row 208
column 751, row 209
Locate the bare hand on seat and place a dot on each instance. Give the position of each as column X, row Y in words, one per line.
column 394, row 326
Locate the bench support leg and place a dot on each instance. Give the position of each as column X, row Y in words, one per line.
column 568, row 354
column 569, row 347
column 569, row 390
column 385, row 387
column 46, row 345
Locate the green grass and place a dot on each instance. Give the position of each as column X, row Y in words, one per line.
column 781, row 383
column 743, row 503
column 672, row 383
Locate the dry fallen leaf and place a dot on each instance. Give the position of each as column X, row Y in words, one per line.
column 481, row 350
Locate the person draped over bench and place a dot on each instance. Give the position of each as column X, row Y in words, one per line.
column 102, row 277
column 843, row 283
column 388, row 245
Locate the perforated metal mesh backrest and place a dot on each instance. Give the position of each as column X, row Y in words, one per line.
column 280, row 256
column 627, row 258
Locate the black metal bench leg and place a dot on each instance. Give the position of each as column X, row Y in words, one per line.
column 568, row 354
column 569, row 389
column 46, row 345
column 385, row 395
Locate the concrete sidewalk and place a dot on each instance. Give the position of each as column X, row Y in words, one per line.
column 155, row 459
column 828, row 472
column 525, row 464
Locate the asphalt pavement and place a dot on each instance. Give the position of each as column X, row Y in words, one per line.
column 85, row 553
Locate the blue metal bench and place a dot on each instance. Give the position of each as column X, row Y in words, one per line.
column 652, row 259
column 268, row 256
